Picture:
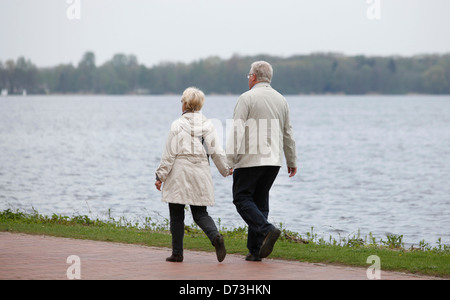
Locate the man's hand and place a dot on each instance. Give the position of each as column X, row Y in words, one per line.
column 158, row 184
column 292, row 171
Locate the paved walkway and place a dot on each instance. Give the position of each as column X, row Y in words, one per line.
column 25, row 256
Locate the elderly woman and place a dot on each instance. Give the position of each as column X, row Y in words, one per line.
column 185, row 172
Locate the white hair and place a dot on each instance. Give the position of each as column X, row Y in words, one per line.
column 263, row 71
column 194, row 99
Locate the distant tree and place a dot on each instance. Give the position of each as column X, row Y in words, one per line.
column 2, row 76
column 66, row 79
column 87, row 73
column 436, row 80
column 392, row 66
column 10, row 74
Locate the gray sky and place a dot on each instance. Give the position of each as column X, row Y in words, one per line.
column 187, row 30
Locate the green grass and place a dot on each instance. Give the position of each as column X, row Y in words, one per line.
column 352, row 251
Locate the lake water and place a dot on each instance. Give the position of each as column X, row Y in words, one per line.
column 377, row 164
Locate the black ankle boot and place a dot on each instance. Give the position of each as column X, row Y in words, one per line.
column 252, row 257
column 219, row 244
column 175, row 258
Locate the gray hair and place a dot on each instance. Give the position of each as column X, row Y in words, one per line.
column 263, row 71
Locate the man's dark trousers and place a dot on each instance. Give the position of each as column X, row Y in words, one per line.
column 251, row 188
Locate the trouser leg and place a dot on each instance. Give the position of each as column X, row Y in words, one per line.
column 177, row 227
column 204, row 221
column 255, row 239
column 251, row 188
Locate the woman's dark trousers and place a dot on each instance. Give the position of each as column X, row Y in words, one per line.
column 201, row 218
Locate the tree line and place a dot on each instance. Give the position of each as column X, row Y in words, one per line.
column 318, row 73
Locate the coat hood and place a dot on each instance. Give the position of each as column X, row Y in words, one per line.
column 196, row 124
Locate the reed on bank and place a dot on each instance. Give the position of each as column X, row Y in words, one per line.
column 353, row 250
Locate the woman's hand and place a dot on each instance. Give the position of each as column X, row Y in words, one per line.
column 158, row 184
column 230, row 171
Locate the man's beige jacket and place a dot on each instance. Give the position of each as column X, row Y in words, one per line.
column 261, row 131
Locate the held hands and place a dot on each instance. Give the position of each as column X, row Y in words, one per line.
column 291, row 171
column 158, row 183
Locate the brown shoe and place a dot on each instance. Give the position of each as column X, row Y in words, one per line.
column 175, row 258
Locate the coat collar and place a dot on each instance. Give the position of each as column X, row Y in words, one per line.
column 260, row 85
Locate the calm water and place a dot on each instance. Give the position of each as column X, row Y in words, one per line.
column 377, row 164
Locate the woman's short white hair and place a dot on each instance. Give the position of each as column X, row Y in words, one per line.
column 194, row 99
column 263, row 71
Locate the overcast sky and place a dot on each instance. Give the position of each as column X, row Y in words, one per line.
column 187, row 30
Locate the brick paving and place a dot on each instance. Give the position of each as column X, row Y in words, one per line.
column 24, row 256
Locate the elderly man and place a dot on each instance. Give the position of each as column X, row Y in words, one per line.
column 261, row 132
